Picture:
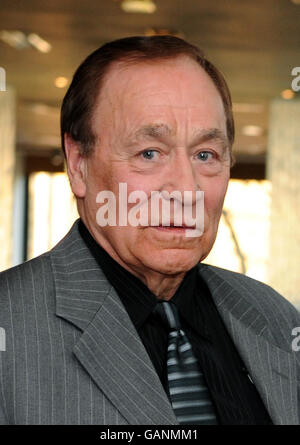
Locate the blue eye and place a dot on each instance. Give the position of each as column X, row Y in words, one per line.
column 204, row 155
column 148, row 154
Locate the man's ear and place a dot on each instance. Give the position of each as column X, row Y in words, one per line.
column 76, row 166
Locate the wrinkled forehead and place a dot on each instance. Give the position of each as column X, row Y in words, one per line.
column 175, row 91
column 129, row 77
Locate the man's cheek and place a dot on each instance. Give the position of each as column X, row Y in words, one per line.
column 212, row 208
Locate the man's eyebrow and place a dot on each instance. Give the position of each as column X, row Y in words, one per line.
column 160, row 131
column 210, row 134
column 155, row 131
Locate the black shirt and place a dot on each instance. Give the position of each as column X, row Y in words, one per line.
column 236, row 400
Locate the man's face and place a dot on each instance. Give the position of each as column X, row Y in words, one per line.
column 160, row 126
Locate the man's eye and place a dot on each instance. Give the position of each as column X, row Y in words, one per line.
column 205, row 155
column 149, row 154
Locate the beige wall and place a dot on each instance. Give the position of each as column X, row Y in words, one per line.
column 7, row 167
column 283, row 169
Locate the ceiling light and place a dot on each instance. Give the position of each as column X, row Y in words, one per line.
column 287, row 94
column 252, row 130
column 139, row 6
column 16, row 39
column 61, row 82
column 19, row 40
column 38, row 43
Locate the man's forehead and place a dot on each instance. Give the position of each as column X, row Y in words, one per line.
column 132, row 64
column 141, row 107
column 123, row 75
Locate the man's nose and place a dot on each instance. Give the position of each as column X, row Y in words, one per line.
column 182, row 176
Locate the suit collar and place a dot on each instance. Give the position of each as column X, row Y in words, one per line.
column 80, row 285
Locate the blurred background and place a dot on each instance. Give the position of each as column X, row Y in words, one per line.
column 255, row 43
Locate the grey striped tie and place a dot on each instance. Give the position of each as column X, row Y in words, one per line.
column 188, row 392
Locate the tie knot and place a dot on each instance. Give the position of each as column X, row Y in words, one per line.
column 168, row 313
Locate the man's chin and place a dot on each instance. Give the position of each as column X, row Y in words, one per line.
column 171, row 262
column 174, row 255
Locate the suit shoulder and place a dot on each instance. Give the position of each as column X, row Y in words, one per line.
column 32, row 263
column 24, row 276
column 238, row 279
column 266, row 299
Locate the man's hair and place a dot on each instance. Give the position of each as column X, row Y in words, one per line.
column 80, row 100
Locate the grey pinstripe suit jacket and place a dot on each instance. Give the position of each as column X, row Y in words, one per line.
column 73, row 356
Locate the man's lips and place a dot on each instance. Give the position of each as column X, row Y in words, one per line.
column 188, row 232
column 172, row 224
column 173, row 227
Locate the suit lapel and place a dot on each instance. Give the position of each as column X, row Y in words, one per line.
column 113, row 354
column 272, row 369
column 109, row 348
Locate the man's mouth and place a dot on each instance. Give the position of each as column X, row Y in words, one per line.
column 174, row 227
column 188, row 231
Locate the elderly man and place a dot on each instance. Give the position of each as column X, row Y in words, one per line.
column 120, row 323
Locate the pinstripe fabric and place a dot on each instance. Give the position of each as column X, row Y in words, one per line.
column 261, row 332
column 73, row 356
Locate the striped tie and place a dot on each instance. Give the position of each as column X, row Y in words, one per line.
column 188, row 392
